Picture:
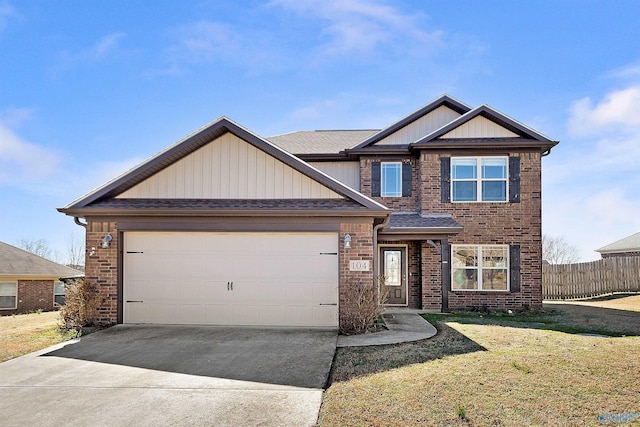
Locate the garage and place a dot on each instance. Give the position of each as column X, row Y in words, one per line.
column 231, row 278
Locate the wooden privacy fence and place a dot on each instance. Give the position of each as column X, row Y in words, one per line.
column 590, row 279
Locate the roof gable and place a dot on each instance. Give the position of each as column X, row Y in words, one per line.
column 627, row 244
column 483, row 122
column 162, row 165
column 229, row 168
column 18, row 262
column 422, row 121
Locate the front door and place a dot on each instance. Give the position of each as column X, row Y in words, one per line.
column 393, row 262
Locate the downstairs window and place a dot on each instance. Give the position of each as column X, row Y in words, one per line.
column 8, row 295
column 480, row 267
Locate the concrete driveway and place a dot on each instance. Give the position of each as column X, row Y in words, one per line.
column 171, row 375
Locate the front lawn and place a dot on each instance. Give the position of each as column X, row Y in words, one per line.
column 23, row 333
column 495, row 370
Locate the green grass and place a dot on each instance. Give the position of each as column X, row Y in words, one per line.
column 493, row 370
column 24, row 333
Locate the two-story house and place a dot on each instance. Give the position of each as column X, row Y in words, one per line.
column 226, row 227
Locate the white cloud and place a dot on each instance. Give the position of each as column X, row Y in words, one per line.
column 617, row 111
column 101, row 50
column 23, row 162
column 357, row 26
column 591, row 179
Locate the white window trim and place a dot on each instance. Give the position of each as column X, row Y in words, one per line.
column 479, row 180
column 479, row 269
column 15, row 306
column 382, row 175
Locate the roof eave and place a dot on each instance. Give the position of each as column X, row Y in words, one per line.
column 421, row 230
column 137, row 212
column 470, row 144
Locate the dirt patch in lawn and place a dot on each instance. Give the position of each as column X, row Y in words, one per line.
column 531, row 369
column 24, row 333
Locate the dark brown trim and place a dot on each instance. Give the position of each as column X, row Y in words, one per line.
column 94, row 212
column 151, row 225
column 431, row 231
column 402, row 237
column 445, row 259
column 466, row 145
column 380, row 151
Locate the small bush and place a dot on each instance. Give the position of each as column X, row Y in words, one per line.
column 81, row 304
column 366, row 303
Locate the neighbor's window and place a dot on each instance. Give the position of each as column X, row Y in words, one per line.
column 8, row 295
column 58, row 293
column 391, row 179
column 479, row 179
column 480, row 268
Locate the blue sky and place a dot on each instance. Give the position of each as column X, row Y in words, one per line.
column 90, row 88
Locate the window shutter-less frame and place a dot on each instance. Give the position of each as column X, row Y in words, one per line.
column 445, row 179
column 375, row 179
column 514, row 179
column 406, row 179
column 514, row 267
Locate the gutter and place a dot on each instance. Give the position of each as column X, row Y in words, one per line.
column 77, row 221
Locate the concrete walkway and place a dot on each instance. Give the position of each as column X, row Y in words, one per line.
column 403, row 326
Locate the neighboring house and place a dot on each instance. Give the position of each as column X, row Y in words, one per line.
column 29, row 283
column 226, row 227
column 629, row 246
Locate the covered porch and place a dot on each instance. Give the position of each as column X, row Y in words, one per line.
column 413, row 253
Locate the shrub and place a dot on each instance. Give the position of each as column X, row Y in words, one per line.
column 366, row 302
column 81, row 304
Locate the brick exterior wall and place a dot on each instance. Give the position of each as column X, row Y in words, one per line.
column 102, row 267
column 33, row 295
column 408, row 204
column 493, row 223
column 361, row 249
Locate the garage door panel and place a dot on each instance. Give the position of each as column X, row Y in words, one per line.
column 278, row 278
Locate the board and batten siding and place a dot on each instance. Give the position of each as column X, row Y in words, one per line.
column 229, row 168
column 479, row 127
column 347, row 173
column 421, row 127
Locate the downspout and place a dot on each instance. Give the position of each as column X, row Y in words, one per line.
column 375, row 243
column 77, row 221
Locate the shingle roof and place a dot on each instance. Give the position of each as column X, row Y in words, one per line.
column 411, row 222
column 226, row 204
column 17, row 262
column 628, row 244
column 320, row 141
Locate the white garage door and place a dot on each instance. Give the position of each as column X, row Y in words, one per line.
column 279, row 279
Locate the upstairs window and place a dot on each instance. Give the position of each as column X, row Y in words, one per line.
column 391, row 179
column 479, row 179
